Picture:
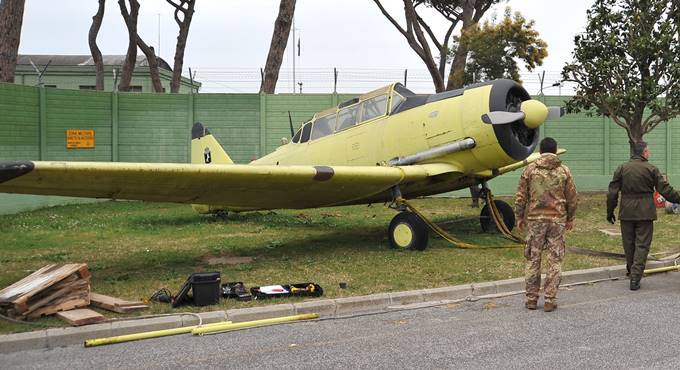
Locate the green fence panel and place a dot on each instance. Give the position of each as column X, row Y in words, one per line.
column 19, row 122
column 234, row 119
column 153, row 128
column 78, row 110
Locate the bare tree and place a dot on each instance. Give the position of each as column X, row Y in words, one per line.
column 11, row 17
column 185, row 8
column 131, row 56
column 131, row 23
column 467, row 12
column 94, row 49
column 278, row 45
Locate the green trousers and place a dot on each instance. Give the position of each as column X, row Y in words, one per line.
column 637, row 238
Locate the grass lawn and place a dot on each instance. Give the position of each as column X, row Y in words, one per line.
column 135, row 248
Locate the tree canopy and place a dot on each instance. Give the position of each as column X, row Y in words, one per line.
column 626, row 65
column 495, row 48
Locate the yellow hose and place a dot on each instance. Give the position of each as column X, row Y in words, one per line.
column 145, row 335
column 213, row 328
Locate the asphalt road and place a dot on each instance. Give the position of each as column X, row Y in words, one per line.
column 596, row 326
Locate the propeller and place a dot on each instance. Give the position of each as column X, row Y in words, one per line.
column 533, row 112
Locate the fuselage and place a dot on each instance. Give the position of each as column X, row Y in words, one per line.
column 393, row 122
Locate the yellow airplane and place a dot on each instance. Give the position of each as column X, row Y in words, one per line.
column 385, row 144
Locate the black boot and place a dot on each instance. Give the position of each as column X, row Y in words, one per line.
column 634, row 284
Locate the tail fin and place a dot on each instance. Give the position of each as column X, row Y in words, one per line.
column 204, row 147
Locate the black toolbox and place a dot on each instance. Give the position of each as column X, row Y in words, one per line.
column 204, row 287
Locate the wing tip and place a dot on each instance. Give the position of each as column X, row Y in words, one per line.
column 12, row 169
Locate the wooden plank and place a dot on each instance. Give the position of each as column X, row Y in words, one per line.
column 59, row 292
column 34, row 283
column 81, row 316
column 114, row 304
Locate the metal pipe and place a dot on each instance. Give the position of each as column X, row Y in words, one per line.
column 144, row 335
column 438, row 151
column 251, row 324
column 662, row 269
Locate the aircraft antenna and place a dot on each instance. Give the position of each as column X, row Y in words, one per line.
column 290, row 121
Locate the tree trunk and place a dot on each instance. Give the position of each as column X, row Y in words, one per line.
column 11, row 17
column 278, row 45
column 131, row 56
column 457, row 74
column 94, row 49
column 183, row 24
column 150, row 54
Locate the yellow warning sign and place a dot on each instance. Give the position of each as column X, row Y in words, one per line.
column 79, row 139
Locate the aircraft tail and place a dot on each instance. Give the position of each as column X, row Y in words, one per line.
column 205, row 149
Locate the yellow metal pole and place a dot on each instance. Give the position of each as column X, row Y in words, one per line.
column 662, row 269
column 251, row 324
column 144, row 335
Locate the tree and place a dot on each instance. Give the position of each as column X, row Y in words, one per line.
column 494, row 48
column 626, row 66
column 185, row 8
column 94, row 49
column 278, row 45
column 11, row 17
column 466, row 12
column 135, row 41
column 131, row 55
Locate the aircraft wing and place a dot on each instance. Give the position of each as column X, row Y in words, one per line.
column 236, row 186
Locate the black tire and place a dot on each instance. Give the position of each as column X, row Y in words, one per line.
column 408, row 231
column 487, row 223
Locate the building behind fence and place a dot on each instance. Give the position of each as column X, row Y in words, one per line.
column 135, row 127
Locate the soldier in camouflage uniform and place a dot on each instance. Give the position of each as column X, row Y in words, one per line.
column 546, row 202
column 636, row 181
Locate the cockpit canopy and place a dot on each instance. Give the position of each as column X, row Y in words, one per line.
column 356, row 111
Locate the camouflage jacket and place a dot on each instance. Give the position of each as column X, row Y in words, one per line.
column 546, row 191
column 636, row 181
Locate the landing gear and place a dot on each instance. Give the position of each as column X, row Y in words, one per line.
column 408, row 231
column 506, row 212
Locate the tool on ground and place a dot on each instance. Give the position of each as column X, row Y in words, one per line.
column 236, row 290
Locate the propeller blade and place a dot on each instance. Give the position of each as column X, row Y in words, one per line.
column 555, row 112
column 501, row 117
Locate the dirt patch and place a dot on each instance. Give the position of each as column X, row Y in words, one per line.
column 233, row 260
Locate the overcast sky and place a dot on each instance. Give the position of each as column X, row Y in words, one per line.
column 229, row 39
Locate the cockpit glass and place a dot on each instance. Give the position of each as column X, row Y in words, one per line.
column 396, row 101
column 374, row 107
column 306, row 130
column 323, row 126
column 347, row 117
column 296, row 138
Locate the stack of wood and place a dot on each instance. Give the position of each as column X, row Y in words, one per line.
column 47, row 291
column 115, row 304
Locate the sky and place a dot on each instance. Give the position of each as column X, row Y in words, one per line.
column 229, row 39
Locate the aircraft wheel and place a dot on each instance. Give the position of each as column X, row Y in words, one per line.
column 408, row 231
column 507, row 213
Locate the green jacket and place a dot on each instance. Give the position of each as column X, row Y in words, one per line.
column 636, row 181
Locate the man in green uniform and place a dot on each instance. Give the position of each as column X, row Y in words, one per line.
column 546, row 202
column 636, row 181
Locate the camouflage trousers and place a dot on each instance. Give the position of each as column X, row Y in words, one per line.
column 549, row 237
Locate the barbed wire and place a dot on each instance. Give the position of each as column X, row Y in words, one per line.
column 351, row 80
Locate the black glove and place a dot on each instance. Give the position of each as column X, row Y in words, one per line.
column 610, row 218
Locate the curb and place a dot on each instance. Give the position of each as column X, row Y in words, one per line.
column 61, row 337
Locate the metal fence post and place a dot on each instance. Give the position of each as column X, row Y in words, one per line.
column 43, row 123
column 114, row 126
column 606, row 147
column 263, row 125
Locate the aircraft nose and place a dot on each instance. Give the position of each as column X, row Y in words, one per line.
column 535, row 113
